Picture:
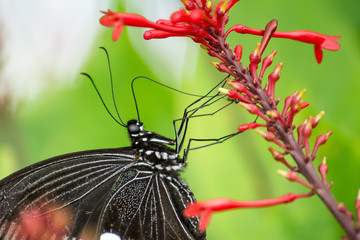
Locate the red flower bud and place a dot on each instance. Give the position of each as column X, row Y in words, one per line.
column 269, row 31
column 273, row 78
column 248, row 126
column 323, row 169
column 287, row 104
column 233, row 94
column 320, row 140
column 266, row 63
column 255, row 55
column 306, row 133
column 292, row 176
column 280, row 158
column 304, row 105
column 269, row 136
column 316, row 119
column 238, row 51
column 343, row 209
column 253, row 109
column 239, row 87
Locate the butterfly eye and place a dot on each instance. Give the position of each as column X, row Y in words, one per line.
column 134, row 126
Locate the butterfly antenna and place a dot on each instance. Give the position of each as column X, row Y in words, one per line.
column 133, row 93
column 163, row 85
column 112, row 86
column 102, row 100
column 171, row 88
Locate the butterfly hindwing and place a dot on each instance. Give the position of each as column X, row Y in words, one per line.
column 144, row 205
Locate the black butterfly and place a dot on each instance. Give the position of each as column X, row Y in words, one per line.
column 135, row 192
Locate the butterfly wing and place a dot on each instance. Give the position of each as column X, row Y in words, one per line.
column 77, row 184
column 149, row 205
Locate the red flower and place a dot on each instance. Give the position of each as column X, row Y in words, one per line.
column 203, row 24
column 118, row 20
column 319, row 40
column 205, row 209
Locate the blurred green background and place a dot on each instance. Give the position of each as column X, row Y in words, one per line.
column 70, row 118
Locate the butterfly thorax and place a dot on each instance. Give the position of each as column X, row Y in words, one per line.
column 153, row 148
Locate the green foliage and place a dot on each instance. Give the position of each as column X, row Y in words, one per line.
column 73, row 119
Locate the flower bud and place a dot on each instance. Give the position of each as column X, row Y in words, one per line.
column 238, row 51
column 316, row 119
column 248, row 126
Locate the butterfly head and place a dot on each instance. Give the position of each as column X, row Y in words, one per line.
column 135, row 128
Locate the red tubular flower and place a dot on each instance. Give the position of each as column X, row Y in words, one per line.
column 319, row 40
column 118, row 20
column 158, row 34
column 205, row 209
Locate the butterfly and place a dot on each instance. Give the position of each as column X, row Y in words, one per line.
column 135, row 192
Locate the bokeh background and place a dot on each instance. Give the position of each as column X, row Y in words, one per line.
column 47, row 108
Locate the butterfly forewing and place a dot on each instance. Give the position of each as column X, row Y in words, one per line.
column 78, row 180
